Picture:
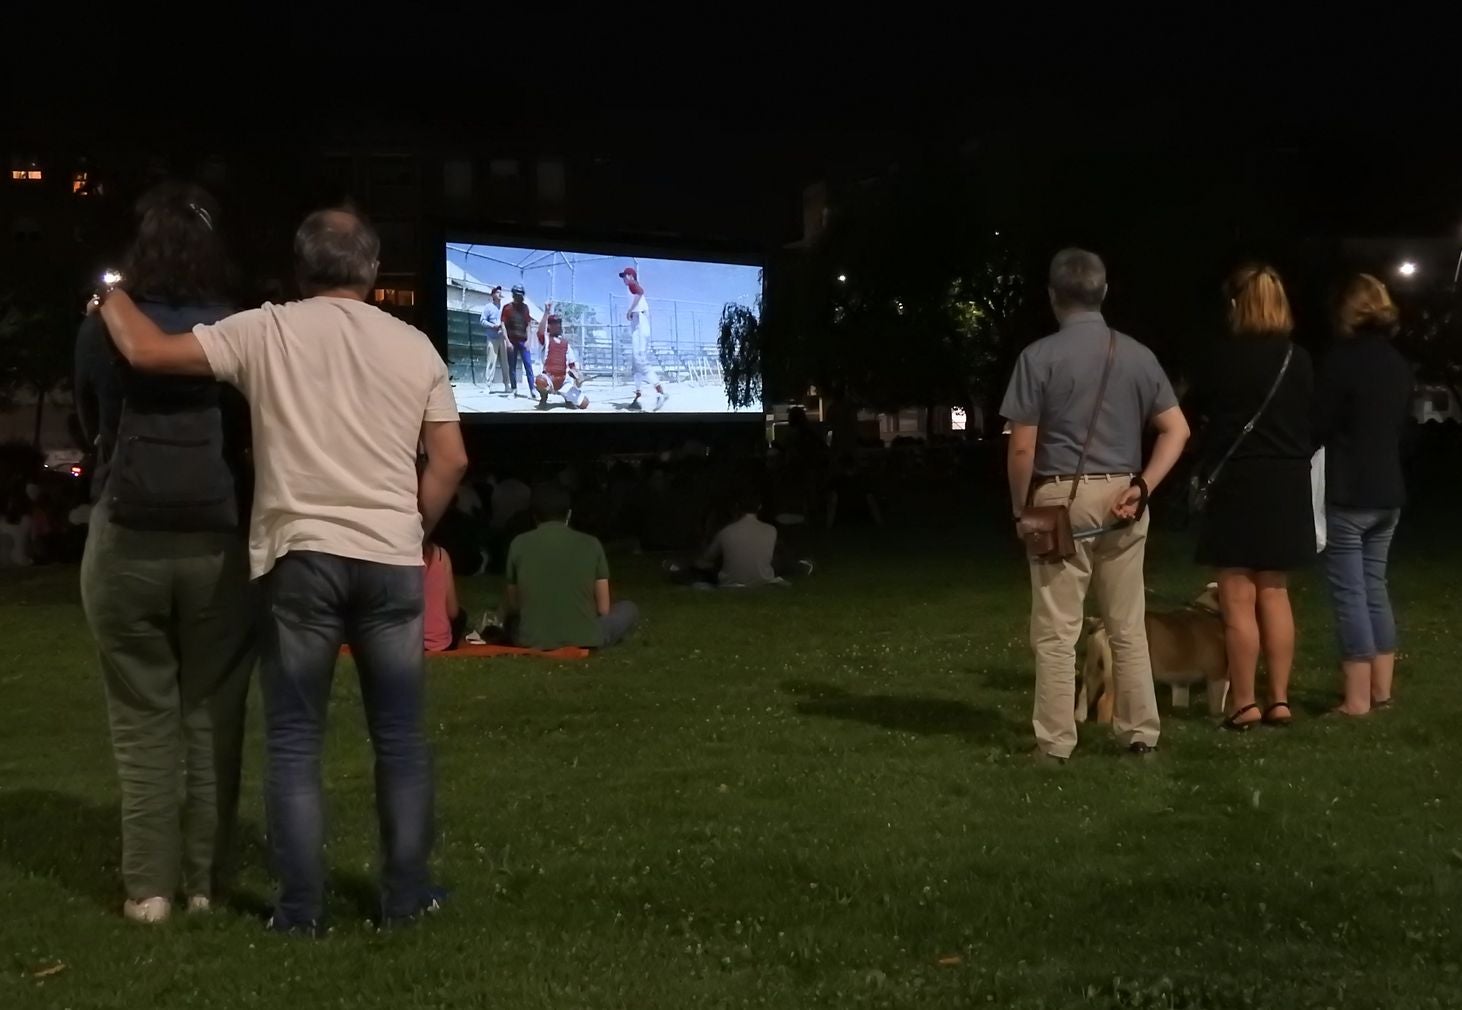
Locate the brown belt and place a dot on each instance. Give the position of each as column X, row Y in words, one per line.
column 1067, row 478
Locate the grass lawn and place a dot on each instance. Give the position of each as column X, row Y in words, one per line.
column 817, row 797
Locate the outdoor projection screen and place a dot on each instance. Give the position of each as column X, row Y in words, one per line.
column 624, row 324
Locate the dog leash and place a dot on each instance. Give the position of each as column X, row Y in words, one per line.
column 1120, row 524
column 1097, row 531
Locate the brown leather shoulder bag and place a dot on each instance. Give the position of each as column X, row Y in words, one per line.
column 1046, row 529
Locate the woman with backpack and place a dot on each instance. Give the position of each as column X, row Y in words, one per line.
column 164, row 580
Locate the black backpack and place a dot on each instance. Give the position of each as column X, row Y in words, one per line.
column 172, row 466
column 169, row 471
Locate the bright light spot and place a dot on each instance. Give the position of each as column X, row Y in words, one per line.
column 111, row 278
column 842, row 278
column 997, row 234
column 76, row 471
column 957, row 419
column 1407, row 269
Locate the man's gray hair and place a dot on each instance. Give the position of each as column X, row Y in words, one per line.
column 335, row 249
column 1078, row 279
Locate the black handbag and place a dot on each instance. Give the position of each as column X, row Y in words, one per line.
column 1200, row 485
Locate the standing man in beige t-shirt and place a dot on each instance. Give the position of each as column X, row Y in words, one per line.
column 341, row 395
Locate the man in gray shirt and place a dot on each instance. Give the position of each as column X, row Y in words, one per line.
column 1050, row 405
column 492, row 320
column 743, row 553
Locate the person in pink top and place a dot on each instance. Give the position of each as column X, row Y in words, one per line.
column 443, row 620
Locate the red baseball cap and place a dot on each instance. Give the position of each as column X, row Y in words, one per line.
column 629, row 272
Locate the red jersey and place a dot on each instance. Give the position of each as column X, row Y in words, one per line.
column 556, row 358
column 515, row 322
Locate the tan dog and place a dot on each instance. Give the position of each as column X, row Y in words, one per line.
column 1186, row 647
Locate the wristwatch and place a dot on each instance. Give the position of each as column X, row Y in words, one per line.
column 110, row 280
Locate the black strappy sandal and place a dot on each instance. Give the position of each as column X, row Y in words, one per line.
column 1233, row 725
column 1282, row 723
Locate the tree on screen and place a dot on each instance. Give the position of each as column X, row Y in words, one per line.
column 740, row 347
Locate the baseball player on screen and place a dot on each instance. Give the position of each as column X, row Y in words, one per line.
column 642, row 369
column 560, row 372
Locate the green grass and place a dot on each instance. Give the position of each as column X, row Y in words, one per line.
column 812, row 798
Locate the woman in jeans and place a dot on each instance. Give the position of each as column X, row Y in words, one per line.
column 164, row 580
column 1362, row 409
column 1259, row 524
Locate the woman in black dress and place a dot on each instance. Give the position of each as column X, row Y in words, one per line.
column 1259, row 524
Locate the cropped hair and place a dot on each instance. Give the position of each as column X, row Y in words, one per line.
column 1366, row 305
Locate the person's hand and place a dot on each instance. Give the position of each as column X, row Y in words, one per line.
column 1127, row 504
column 547, row 308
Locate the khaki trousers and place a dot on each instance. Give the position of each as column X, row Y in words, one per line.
column 1112, row 563
column 173, row 615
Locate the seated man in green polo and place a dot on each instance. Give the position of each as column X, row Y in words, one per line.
column 558, row 583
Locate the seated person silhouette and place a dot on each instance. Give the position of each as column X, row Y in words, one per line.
column 558, row 583
column 744, row 554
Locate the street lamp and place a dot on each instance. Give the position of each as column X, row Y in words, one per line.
column 842, row 278
column 1407, row 269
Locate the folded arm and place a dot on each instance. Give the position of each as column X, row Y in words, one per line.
column 1172, row 434
column 145, row 346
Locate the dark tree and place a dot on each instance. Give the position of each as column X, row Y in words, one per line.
column 1431, row 336
column 37, row 336
column 909, row 298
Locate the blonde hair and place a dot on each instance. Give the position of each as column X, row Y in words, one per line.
column 1257, row 302
column 1365, row 304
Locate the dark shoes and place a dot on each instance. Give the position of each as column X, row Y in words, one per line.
column 308, row 930
column 1140, row 749
column 431, row 904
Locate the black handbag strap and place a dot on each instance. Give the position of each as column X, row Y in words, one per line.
column 1253, row 421
column 1096, row 412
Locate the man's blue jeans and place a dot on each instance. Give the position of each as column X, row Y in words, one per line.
column 1357, row 545
column 316, row 602
column 520, row 353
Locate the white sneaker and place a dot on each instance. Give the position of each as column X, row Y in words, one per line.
column 199, row 904
column 149, row 911
column 661, row 399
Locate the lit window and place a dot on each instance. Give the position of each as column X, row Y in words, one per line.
column 27, row 174
column 957, row 419
column 79, row 184
column 393, row 296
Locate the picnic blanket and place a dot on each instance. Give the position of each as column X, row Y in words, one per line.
column 481, row 651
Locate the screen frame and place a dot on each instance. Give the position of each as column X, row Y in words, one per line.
column 669, row 248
